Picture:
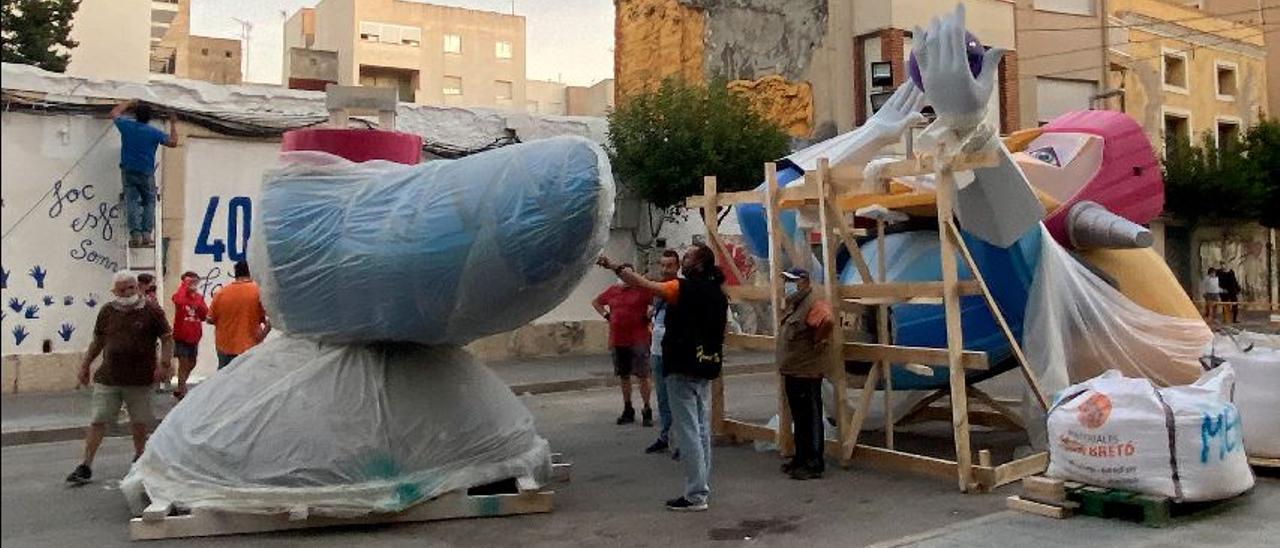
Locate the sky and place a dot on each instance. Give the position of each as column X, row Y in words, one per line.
column 568, row 40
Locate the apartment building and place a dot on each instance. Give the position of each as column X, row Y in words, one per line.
column 1264, row 14
column 1184, row 73
column 430, row 54
column 1061, row 58
column 550, row 97
column 176, row 53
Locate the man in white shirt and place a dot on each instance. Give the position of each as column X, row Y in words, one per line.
column 1211, row 290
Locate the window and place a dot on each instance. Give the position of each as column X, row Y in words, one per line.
column 1174, row 69
column 1226, row 81
column 452, row 43
column 1057, row 96
column 410, row 36
column 502, row 90
column 226, row 54
column 452, row 85
column 370, row 32
column 1177, row 125
column 1228, row 132
column 1075, row 7
column 204, row 51
column 502, row 50
column 390, row 34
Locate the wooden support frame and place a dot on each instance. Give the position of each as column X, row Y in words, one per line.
column 829, row 190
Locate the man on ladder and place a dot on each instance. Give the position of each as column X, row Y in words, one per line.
column 138, row 143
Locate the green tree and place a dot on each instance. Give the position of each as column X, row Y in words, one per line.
column 663, row 142
column 1223, row 181
column 38, row 32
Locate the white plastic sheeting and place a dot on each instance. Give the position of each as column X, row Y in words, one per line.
column 1183, row 442
column 313, row 429
column 439, row 253
column 1257, row 395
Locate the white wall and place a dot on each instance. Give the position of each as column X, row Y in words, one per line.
column 74, row 233
column 115, row 40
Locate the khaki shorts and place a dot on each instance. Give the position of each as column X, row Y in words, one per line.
column 107, row 400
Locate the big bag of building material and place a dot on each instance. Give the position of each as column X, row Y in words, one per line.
column 309, row 428
column 1183, row 442
column 444, row 252
column 1257, row 394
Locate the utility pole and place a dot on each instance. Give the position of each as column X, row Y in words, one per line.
column 246, row 30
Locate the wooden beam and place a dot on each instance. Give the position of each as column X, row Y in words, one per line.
column 831, row 290
column 868, row 352
column 882, row 335
column 997, row 406
column 1031, row 507
column 905, row 289
column 849, row 439
column 747, row 293
column 712, row 225
column 1012, row 471
column 945, row 183
column 850, row 175
column 953, row 234
column 726, row 199
column 1044, row 490
column 919, row 464
column 777, row 241
column 763, row 343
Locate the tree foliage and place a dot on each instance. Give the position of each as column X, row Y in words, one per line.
column 1235, row 180
column 38, row 32
column 662, row 143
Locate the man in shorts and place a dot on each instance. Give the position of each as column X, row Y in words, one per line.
column 189, row 313
column 125, row 334
column 626, row 308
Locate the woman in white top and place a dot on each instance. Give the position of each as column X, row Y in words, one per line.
column 1210, row 288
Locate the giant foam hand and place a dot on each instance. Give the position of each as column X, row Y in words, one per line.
column 859, row 146
column 957, row 95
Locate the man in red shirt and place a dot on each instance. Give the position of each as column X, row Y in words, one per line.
column 188, row 327
column 626, row 307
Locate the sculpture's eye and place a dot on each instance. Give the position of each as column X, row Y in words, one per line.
column 1047, row 155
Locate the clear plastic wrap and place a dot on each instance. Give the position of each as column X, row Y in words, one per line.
column 338, row 430
column 439, row 253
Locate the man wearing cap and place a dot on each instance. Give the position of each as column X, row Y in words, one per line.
column 802, row 339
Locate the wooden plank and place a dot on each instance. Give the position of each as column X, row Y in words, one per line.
column 849, row 440
column 157, row 511
column 905, row 289
column 1264, row 462
column 831, row 289
column 203, row 523
column 980, row 418
column 773, row 221
column 709, row 218
column 997, row 406
column 984, row 457
column 726, row 199
column 918, row 464
column 945, row 181
column 869, row 352
column 745, row 293
column 954, row 235
column 561, row 472
column 1044, row 490
column 747, row 431
column 764, row 343
column 1031, row 507
column 1012, row 471
column 882, row 335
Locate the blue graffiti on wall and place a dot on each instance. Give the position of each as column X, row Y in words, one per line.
column 65, row 331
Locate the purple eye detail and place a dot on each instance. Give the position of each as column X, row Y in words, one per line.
column 1046, row 155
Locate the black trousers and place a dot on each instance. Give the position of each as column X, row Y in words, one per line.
column 804, row 397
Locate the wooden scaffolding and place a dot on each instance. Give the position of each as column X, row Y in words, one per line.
column 837, row 192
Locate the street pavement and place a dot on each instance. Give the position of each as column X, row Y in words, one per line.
column 615, row 496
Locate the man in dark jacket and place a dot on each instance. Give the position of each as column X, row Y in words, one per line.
column 697, row 311
column 806, row 325
column 1230, row 292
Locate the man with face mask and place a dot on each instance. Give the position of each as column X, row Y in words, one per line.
column 669, row 268
column 125, row 334
column 189, row 313
column 807, row 322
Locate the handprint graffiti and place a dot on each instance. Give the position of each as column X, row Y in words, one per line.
column 32, row 312
column 16, row 305
column 65, row 331
column 38, row 273
column 92, row 300
column 19, row 335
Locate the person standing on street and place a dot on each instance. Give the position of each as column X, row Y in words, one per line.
column 1210, row 288
column 1230, row 286
column 147, row 287
column 138, row 143
column 189, row 313
column 125, row 335
column 692, row 356
column 625, row 306
column 237, row 316
column 668, row 269
column 807, row 323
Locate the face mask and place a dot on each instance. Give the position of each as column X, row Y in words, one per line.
column 790, row 288
column 129, row 302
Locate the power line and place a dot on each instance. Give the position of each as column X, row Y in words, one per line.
column 1133, row 25
column 1149, row 57
column 1153, row 39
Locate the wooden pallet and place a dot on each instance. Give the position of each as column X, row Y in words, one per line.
column 1265, row 462
column 166, row 520
column 1103, row 502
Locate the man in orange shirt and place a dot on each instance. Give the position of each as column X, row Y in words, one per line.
column 238, row 318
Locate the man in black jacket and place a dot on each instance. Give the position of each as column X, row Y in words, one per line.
column 697, row 311
column 1230, row 292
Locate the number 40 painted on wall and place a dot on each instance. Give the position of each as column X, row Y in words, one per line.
column 239, row 213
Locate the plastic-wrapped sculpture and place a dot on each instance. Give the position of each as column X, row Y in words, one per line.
column 1055, row 229
column 363, row 265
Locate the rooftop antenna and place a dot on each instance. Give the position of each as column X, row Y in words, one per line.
column 246, row 30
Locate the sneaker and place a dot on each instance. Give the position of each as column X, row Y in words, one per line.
column 646, row 416
column 681, row 504
column 628, row 416
column 80, row 476
column 803, row 474
column 787, row 467
column 656, row 447
column 675, row 455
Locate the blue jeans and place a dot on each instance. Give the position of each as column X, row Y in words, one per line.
column 691, row 426
column 139, row 201
column 664, row 408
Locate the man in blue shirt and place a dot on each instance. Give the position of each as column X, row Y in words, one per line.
column 138, row 142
